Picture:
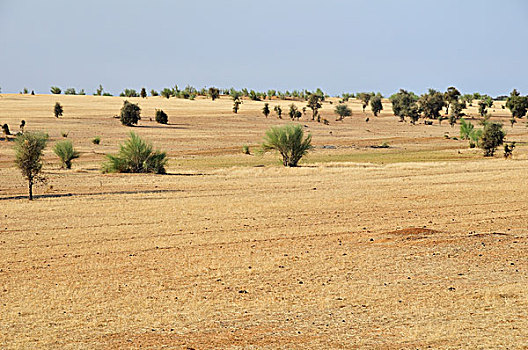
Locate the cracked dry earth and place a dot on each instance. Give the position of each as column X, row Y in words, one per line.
column 329, row 256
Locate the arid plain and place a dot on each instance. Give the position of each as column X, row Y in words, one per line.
column 420, row 245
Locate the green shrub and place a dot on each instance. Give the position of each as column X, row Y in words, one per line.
column 289, row 141
column 143, row 93
column 161, row 117
column 65, row 151
column 508, row 149
column 265, row 110
column 245, row 149
column 96, row 140
column 5, row 129
column 130, row 113
column 492, row 137
column 214, row 93
column 58, row 110
column 129, row 93
column 55, row 90
column 64, row 134
column 166, row 92
column 70, row 91
column 136, row 156
column 342, row 111
column 153, row 93
column 465, row 129
column 28, row 157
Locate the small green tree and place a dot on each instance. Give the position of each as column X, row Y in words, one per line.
column 70, row 91
column 99, row 91
column 342, row 111
column 293, row 111
column 517, row 104
column 289, row 141
column 58, row 110
column 143, row 93
column 465, row 129
column 55, row 90
column 314, row 103
column 136, row 156
column 65, row 151
column 166, row 92
column 153, row 93
column 404, row 105
column 375, row 105
column 451, row 96
column 431, row 104
column 213, row 92
column 266, row 110
column 130, row 114
column 278, row 110
column 236, row 104
column 364, row 97
column 161, row 117
column 482, row 108
column 492, row 137
column 28, row 157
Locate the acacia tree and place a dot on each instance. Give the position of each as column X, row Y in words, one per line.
column 29, row 147
column 431, row 104
column 265, row 110
column 364, row 97
column 314, row 103
column 58, row 110
column 214, row 93
column 342, row 111
column 492, row 137
column 517, row 104
column 404, row 105
column 451, row 96
column 375, row 105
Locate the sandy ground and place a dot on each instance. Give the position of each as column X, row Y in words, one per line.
column 422, row 245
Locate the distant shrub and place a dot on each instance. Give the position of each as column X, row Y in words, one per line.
column 342, row 111
column 130, row 114
column 166, row 92
column 107, row 94
column 58, row 110
column 161, row 117
column 289, row 141
column 70, row 91
column 143, row 93
column 64, row 134
column 96, row 140
column 28, row 157
column 278, row 110
column 508, row 149
column 129, row 93
column 99, row 91
column 65, row 151
column 245, row 149
column 55, row 90
column 236, row 104
column 214, row 93
column 136, row 156
column 465, row 129
column 5, row 130
column 32, row 92
column 22, row 125
column 81, row 92
column 265, row 110
column 492, row 137
column 153, row 93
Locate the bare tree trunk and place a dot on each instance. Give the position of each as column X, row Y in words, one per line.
column 30, row 190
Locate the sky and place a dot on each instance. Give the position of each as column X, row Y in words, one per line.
column 338, row 46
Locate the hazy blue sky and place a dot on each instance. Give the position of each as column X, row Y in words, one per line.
column 340, row 46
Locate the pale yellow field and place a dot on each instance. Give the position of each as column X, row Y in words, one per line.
column 421, row 245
